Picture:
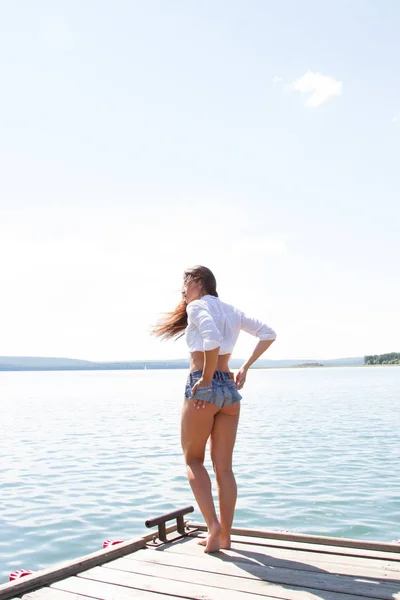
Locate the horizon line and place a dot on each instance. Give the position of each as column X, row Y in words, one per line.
column 169, row 359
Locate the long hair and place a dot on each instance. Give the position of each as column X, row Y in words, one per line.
column 174, row 323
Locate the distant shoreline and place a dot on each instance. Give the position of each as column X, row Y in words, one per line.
column 14, row 363
column 325, row 366
column 255, row 368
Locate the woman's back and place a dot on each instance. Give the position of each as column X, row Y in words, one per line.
column 213, row 323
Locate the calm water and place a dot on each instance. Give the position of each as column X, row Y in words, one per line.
column 86, row 456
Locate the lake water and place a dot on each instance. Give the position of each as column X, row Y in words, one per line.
column 86, row 456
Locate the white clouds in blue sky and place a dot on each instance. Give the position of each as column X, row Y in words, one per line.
column 140, row 138
column 319, row 87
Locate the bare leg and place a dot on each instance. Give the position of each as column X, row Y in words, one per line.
column 223, row 438
column 196, row 426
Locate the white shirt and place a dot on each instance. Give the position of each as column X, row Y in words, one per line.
column 212, row 323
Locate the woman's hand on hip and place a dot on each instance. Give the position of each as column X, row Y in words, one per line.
column 241, row 378
column 201, row 383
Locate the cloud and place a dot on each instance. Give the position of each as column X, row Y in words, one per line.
column 320, row 87
column 396, row 119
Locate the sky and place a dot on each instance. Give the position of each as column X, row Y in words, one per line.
column 258, row 138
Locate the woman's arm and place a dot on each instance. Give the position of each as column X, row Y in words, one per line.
column 210, row 364
column 266, row 336
column 261, row 347
column 199, row 314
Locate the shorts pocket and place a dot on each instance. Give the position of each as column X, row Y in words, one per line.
column 205, row 393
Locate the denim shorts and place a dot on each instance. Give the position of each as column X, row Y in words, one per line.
column 222, row 392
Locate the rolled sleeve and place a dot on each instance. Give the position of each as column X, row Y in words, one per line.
column 199, row 314
column 210, row 345
column 255, row 327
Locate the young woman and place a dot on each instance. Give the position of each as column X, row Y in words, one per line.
column 212, row 402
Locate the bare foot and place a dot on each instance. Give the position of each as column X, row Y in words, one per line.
column 225, row 543
column 212, row 542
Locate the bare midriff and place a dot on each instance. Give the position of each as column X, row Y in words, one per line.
column 197, row 362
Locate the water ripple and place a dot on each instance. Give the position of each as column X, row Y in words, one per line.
column 88, row 456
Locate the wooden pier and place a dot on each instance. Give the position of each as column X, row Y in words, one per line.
column 260, row 565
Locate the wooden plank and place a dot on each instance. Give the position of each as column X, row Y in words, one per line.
column 239, row 562
column 263, row 554
column 49, row 594
column 99, row 590
column 273, row 580
column 266, row 550
column 30, row 583
column 344, row 550
column 318, row 548
column 204, row 591
column 47, row 576
column 310, row 539
column 110, row 584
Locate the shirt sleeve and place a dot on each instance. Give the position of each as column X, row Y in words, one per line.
column 257, row 328
column 199, row 314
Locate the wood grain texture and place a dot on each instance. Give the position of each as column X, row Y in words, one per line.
column 283, row 566
column 49, row 594
column 272, row 581
column 110, row 584
column 47, row 576
column 43, row 578
column 390, row 554
column 100, row 590
column 244, row 561
column 310, row 539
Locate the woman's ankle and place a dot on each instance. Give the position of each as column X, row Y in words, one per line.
column 225, row 533
column 214, row 527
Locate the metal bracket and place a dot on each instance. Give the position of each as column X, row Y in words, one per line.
column 160, row 522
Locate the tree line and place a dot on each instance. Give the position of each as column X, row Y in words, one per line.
column 392, row 358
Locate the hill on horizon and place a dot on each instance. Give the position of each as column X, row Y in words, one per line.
column 38, row 361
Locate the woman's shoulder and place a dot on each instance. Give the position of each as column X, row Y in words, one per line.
column 209, row 301
column 203, row 301
column 229, row 308
column 195, row 305
column 210, row 304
